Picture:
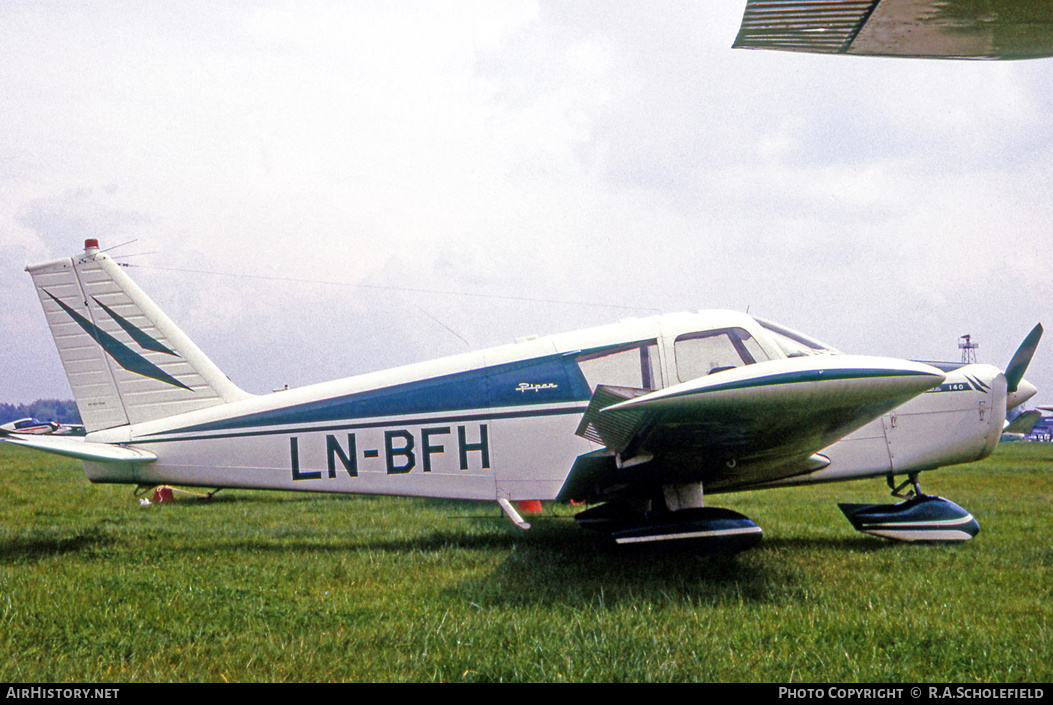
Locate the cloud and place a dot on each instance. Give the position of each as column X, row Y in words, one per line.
column 548, row 154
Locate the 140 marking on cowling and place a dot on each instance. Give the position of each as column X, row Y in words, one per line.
column 401, row 451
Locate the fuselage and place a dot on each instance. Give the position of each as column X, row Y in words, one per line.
column 501, row 423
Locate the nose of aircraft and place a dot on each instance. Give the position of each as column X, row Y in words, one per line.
column 1024, row 391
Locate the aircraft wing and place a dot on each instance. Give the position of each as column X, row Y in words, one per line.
column 739, row 426
column 75, row 447
column 945, row 29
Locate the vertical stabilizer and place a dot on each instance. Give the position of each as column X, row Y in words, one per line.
column 126, row 361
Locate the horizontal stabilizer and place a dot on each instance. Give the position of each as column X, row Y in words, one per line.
column 81, row 449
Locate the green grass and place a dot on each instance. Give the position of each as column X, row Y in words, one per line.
column 257, row 586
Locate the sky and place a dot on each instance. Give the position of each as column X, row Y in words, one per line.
column 314, row 190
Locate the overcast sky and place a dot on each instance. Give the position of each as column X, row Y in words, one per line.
column 363, row 184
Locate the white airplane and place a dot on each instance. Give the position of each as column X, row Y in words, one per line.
column 33, row 426
column 1018, row 427
column 30, row 425
column 641, row 418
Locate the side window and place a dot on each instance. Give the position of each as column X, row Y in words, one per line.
column 634, row 365
column 701, row 354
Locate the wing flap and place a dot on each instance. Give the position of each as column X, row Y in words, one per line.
column 612, row 430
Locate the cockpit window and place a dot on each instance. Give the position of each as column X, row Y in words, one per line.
column 794, row 344
column 706, row 352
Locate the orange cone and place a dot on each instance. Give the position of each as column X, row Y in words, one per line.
column 529, row 506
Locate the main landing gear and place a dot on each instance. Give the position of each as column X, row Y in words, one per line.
column 920, row 518
column 675, row 519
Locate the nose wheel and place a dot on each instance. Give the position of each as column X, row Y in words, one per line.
column 920, row 518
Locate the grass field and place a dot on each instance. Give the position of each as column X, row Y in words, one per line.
column 257, row 586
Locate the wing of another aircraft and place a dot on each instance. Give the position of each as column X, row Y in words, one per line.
column 945, row 29
column 744, row 425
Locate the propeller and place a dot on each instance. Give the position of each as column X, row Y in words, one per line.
column 1014, row 373
column 1019, row 390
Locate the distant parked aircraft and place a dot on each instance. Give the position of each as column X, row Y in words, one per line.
column 36, row 427
column 29, row 425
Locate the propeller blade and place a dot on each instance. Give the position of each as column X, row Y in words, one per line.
column 1022, row 358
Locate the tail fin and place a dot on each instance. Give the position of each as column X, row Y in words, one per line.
column 126, row 361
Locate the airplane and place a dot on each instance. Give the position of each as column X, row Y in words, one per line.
column 1019, row 426
column 641, row 419
column 1043, row 428
column 35, row 426
column 30, row 425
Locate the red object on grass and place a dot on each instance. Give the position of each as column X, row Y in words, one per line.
column 163, row 494
column 529, row 506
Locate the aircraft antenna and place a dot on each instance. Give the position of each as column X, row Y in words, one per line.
column 495, row 297
column 968, row 348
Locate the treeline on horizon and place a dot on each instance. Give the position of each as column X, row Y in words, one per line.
column 63, row 411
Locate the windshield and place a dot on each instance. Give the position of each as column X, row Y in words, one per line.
column 794, row 344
